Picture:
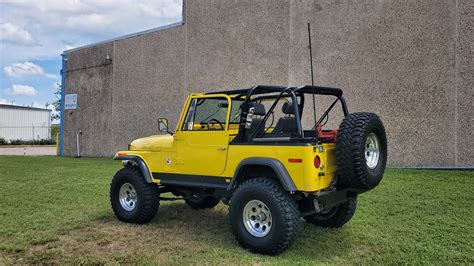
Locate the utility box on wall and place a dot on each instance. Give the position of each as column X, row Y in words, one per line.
column 70, row 101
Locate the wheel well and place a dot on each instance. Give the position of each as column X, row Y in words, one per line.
column 253, row 171
column 137, row 161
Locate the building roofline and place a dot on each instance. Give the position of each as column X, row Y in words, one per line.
column 10, row 106
column 176, row 24
column 136, row 34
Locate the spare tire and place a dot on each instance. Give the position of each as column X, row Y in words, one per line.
column 361, row 151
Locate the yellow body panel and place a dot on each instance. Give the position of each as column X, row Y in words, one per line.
column 208, row 153
column 305, row 176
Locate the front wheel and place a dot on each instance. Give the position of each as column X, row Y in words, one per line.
column 264, row 217
column 133, row 200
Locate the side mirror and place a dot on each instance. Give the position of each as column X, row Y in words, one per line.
column 163, row 125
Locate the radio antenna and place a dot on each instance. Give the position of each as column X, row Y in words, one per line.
column 312, row 74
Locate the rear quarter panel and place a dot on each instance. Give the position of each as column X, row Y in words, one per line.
column 304, row 174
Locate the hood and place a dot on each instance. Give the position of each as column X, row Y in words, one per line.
column 152, row 143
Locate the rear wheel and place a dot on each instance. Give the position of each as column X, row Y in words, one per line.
column 133, row 200
column 334, row 217
column 361, row 151
column 263, row 216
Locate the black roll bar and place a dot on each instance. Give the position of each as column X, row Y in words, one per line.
column 292, row 92
column 295, row 107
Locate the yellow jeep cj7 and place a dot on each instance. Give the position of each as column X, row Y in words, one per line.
column 249, row 148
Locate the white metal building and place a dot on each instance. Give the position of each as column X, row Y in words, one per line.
column 25, row 123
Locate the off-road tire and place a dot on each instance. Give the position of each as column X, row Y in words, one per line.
column 335, row 217
column 286, row 220
column 352, row 168
column 148, row 197
column 202, row 202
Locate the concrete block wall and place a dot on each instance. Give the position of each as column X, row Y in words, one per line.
column 464, row 78
column 236, row 44
column 395, row 59
column 409, row 62
column 90, row 75
column 148, row 84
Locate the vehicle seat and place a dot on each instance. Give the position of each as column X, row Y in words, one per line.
column 258, row 114
column 286, row 124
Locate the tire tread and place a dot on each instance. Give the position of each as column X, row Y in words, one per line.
column 285, row 203
column 149, row 197
column 350, row 160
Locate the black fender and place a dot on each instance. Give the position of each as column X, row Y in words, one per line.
column 276, row 165
column 140, row 163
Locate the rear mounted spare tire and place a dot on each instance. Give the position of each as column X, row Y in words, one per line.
column 361, row 151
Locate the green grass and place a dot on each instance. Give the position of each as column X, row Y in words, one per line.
column 56, row 210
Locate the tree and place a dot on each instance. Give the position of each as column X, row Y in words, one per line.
column 56, row 114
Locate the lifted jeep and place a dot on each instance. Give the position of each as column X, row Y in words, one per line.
column 227, row 147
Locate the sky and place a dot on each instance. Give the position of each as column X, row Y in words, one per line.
column 34, row 33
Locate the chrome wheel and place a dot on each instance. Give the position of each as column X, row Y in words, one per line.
column 128, row 197
column 372, row 151
column 257, row 218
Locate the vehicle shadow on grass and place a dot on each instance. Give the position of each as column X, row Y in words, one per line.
column 184, row 228
column 178, row 235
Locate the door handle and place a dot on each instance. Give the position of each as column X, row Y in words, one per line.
column 222, row 149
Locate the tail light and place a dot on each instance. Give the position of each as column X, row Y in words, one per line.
column 317, row 161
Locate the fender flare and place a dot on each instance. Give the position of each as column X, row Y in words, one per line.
column 279, row 169
column 140, row 163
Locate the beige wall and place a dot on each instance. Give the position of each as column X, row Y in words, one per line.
column 410, row 62
column 89, row 74
column 148, row 83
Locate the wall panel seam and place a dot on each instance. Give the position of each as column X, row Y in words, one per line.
column 456, row 77
column 111, row 121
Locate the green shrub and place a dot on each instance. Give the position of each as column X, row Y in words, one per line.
column 30, row 142
column 16, row 142
column 45, row 142
column 3, row 141
column 54, row 131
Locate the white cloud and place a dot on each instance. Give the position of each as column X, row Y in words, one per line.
column 69, row 47
column 170, row 9
column 19, row 70
column 25, row 90
column 38, row 105
column 51, row 76
column 60, row 25
column 40, row 30
column 23, row 69
column 87, row 21
column 3, row 101
column 13, row 34
column 55, row 85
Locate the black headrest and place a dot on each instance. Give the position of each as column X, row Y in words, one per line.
column 258, row 108
column 288, row 108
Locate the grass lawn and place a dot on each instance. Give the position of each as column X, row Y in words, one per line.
column 56, row 210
